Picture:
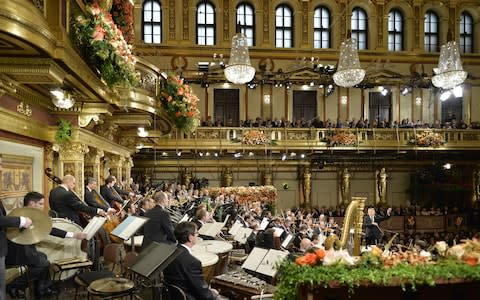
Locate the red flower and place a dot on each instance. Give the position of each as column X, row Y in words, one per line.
column 178, row 114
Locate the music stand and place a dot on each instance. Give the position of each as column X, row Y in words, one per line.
column 152, row 261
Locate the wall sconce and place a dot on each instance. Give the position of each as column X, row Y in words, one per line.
column 141, row 132
column 266, row 99
column 62, row 99
column 344, row 100
column 418, row 101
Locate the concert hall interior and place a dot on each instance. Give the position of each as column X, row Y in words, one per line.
column 316, row 133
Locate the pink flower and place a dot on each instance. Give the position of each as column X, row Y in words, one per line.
column 180, row 91
column 99, row 33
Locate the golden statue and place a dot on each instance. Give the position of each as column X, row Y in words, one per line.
column 382, row 185
column 345, row 186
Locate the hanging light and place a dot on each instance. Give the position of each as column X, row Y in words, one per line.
column 450, row 72
column 239, row 70
column 62, row 99
column 349, row 71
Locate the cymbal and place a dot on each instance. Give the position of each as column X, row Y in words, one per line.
column 40, row 228
column 111, row 285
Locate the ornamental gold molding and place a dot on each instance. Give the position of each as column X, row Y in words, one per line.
column 11, row 121
column 106, row 146
column 73, row 151
column 24, row 109
column 32, row 70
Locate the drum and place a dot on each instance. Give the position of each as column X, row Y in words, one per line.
column 221, row 248
column 209, row 261
column 60, row 249
column 111, row 287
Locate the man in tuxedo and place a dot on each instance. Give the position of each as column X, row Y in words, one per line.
column 185, row 271
column 18, row 222
column 110, row 194
column 90, row 197
column 159, row 227
column 67, row 204
column 373, row 232
column 37, row 262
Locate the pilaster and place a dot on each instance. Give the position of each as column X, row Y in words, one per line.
column 71, row 160
column 93, row 165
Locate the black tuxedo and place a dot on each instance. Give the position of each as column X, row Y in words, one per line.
column 67, row 204
column 158, row 228
column 373, row 234
column 185, row 271
column 37, row 262
column 109, row 196
column 4, row 223
column 90, row 199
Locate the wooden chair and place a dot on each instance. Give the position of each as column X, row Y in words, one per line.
column 14, row 272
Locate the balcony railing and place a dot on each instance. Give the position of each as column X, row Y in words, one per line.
column 231, row 138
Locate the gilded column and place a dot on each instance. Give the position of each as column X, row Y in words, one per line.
column 114, row 165
column 227, row 177
column 93, row 165
column 345, row 187
column 49, row 163
column 381, row 16
column 186, row 177
column 417, row 22
column 128, row 168
column 71, row 160
column 307, row 184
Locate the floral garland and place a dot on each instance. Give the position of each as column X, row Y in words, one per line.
column 427, row 138
column 105, row 47
column 255, row 137
column 248, row 194
column 122, row 13
column 180, row 104
column 342, row 138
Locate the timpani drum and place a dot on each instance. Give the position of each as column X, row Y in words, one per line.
column 209, row 261
column 221, row 248
column 63, row 249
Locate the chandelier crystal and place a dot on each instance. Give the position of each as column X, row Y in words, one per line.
column 450, row 72
column 349, row 71
column 239, row 70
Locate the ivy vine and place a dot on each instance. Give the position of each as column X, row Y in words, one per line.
column 64, row 131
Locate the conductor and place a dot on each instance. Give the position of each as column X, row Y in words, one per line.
column 373, row 232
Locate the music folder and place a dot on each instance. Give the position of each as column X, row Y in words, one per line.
column 154, row 259
column 264, row 261
column 287, row 240
column 93, row 226
column 128, row 227
column 242, row 235
column 212, row 229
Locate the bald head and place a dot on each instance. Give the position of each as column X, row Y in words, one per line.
column 161, row 198
column 69, row 181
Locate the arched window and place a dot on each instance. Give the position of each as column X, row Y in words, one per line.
column 246, row 21
column 360, row 28
column 395, row 30
column 283, row 27
column 466, row 33
column 152, row 22
column 205, row 24
column 431, row 32
column 321, row 27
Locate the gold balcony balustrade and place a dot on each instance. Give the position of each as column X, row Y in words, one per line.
column 287, row 139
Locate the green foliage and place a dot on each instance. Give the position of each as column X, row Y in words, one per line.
column 293, row 276
column 64, row 131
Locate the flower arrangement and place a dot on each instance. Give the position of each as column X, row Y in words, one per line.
column 255, row 137
column 342, row 138
column 180, row 104
column 248, row 194
column 427, row 138
column 122, row 13
column 409, row 268
column 64, row 131
column 104, row 46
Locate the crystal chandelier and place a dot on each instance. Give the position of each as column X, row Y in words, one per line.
column 450, row 72
column 62, row 99
column 239, row 70
column 349, row 71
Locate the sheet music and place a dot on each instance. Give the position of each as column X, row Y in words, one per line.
column 242, row 235
column 212, row 229
column 287, row 241
column 264, row 224
column 184, row 218
column 128, row 227
column 278, row 231
column 93, row 226
column 254, row 259
column 235, row 227
column 268, row 266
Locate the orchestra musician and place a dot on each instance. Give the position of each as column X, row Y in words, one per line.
column 37, row 262
column 109, row 192
column 90, row 197
column 159, row 227
column 67, row 204
column 185, row 271
column 19, row 222
column 373, row 232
